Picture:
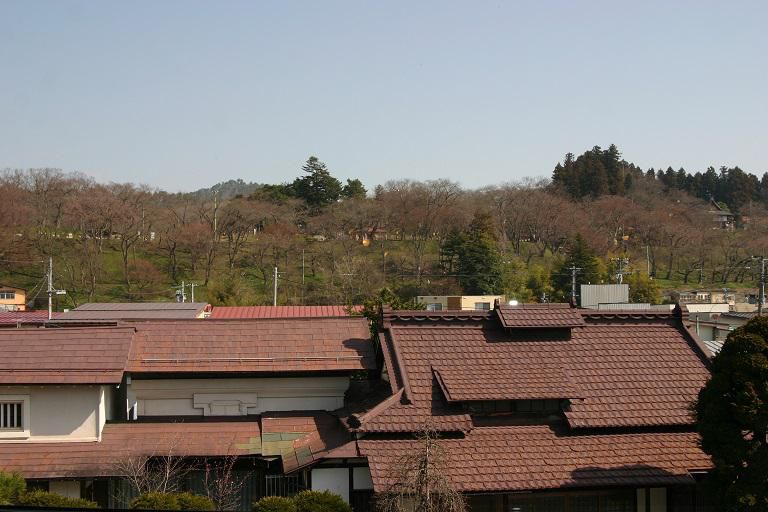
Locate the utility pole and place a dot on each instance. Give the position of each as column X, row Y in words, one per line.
column 51, row 290
column 181, row 294
column 761, row 299
column 620, row 273
column 573, row 270
column 274, row 291
column 215, row 211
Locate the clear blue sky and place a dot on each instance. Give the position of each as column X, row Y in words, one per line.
column 184, row 94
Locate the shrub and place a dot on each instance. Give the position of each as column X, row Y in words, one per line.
column 11, row 486
column 155, row 501
column 39, row 498
column 189, row 501
column 274, row 504
column 320, row 501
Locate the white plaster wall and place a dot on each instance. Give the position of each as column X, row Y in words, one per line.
column 335, row 480
column 61, row 413
column 177, row 396
column 68, row 488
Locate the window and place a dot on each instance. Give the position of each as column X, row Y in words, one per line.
column 7, row 294
column 11, row 415
column 483, row 306
column 14, row 416
column 434, row 306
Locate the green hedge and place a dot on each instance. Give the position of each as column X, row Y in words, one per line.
column 11, row 486
column 274, row 504
column 48, row 499
column 320, row 501
column 189, row 501
column 172, row 501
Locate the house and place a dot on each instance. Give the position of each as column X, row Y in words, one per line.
column 111, row 311
column 722, row 216
column 77, row 402
column 220, row 312
column 459, row 302
column 12, row 298
column 714, row 329
column 545, row 407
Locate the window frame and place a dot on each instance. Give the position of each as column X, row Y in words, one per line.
column 24, row 431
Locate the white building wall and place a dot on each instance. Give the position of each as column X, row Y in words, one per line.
column 202, row 397
column 335, row 480
column 60, row 413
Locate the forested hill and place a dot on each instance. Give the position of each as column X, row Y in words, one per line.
column 334, row 243
column 599, row 172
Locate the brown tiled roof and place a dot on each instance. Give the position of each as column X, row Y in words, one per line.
column 516, row 458
column 619, row 370
column 282, row 311
column 121, row 441
column 320, row 344
column 64, row 356
column 301, row 438
column 539, row 315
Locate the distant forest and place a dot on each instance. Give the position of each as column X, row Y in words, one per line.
column 339, row 243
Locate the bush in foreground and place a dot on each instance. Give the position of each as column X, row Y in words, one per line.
column 320, row 501
column 11, row 486
column 274, row 504
column 155, row 501
column 39, row 498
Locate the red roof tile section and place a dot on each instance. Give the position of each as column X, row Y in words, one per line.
column 282, row 311
column 64, row 356
column 534, row 457
column 23, row 317
column 618, row 370
column 539, row 315
column 121, row 441
column 320, row 344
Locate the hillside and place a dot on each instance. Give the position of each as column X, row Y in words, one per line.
column 334, row 244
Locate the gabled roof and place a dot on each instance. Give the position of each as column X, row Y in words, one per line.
column 296, row 345
column 620, row 369
column 94, row 355
column 242, row 312
column 534, row 457
column 135, row 311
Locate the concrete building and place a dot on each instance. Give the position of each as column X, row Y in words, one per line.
column 459, row 302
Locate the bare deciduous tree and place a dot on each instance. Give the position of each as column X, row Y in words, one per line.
column 420, row 480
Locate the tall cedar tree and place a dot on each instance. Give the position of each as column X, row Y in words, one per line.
column 476, row 256
column 732, row 418
column 580, row 255
column 354, row 189
column 317, row 187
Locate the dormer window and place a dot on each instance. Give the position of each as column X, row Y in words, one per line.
column 539, row 321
